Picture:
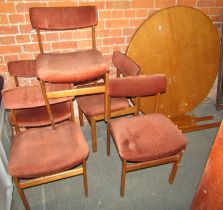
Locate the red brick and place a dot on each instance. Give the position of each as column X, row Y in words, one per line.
column 53, row 36
column 7, row 8
column 3, row 19
column 25, row 56
column 61, row 4
column 64, row 45
column 17, row 18
column 8, row 58
column 117, row 14
column 104, row 33
column 129, row 13
column 31, row 48
column 3, row 68
column 105, row 14
column 219, row 3
column 113, row 41
column 117, row 4
column 142, row 3
column 164, row 3
column 24, row 7
column 136, row 22
column 98, row 4
column 142, row 13
column 117, row 23
column 25, row 28
column 116, row 32
column 215, row 11
column 10, row 49
column 66, row 35
column 205, row 3
column 34, row 37
column 84, row 44
column 128, row 31
column 46, row 47
column 215, row 18
column 190, row 3
column 8, row 30
column 23, row 38
column 5, row 40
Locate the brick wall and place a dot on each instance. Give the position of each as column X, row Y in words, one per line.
column 117, row 22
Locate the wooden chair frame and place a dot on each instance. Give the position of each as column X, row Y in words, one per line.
column 81, row 170
column 93, row 119
column 131, row 166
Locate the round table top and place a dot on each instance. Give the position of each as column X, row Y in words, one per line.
column 182, row 43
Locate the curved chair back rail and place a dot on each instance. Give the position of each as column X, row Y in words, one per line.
column 62, row 18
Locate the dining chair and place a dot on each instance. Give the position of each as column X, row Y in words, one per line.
column 46, row 154
column 145, row 140
column 92, row 106
column 69, row 67
column 36, row 116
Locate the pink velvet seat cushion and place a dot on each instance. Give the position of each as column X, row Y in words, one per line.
column 93, row 105
column 40, row 152
column 39, row 116
column 71, row 67
column 146, row 137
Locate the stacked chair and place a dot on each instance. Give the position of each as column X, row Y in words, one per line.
column 36, row 116
column 145, row 140
column 92, row 106
column 43, row 155
column 47, row 154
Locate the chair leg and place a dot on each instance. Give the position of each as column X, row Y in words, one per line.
column 93, row 134
column 122, row 190
column 21, row 194
column 85, row 178
column 108, row 139
column 81, row 116
column 175, row 167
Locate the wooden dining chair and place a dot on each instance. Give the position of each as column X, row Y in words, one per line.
column 43, row 155
column 145, row 140
column 92, row 106
column 36, row 116
column 76, row 66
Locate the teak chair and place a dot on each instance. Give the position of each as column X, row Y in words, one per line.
column 36, row 116
column 92, row 106
column 73, row 67
column 145, row 140
column 42, row 155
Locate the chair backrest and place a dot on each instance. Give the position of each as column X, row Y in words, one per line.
column 136, row 86
column 63, row 18
column 125, row 65
column 23, row 68
column 29, row 97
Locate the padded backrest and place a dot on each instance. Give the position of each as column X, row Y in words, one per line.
column 140, row 85
column 124, row 64
column 23, row 68
column 62, row 18
column 31, row 96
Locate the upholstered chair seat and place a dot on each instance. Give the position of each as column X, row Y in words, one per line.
column 93, row 105
column 71, row 67
column 37, row 152
column 146, row 137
